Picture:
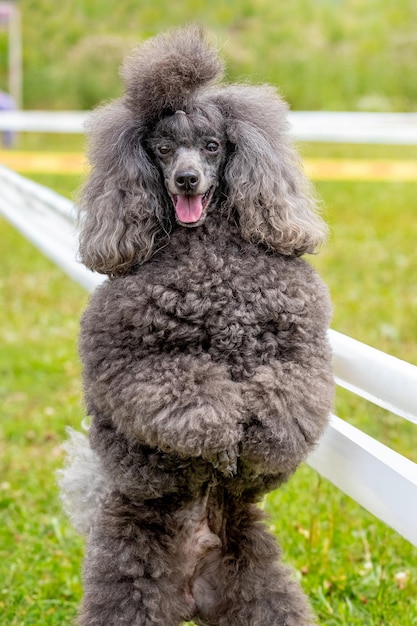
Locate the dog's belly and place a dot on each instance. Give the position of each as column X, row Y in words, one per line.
column 200, row 551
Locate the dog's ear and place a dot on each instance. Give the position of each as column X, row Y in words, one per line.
column 274, row 201
column 121, row 208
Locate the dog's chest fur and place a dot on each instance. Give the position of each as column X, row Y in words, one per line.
column 213, row 292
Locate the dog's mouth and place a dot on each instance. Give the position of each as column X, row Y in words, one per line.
column 190, row 210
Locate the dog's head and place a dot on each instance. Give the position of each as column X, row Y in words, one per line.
column 175, row 148
column 190, row 150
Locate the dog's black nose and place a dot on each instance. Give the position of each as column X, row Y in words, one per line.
column 187, row 181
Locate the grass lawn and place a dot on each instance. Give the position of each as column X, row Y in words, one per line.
column 355, row 569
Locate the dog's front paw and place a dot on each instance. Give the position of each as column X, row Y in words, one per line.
column 211, row 433
column 226, row 461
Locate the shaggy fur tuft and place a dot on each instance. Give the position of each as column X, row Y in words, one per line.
column 82, row 483
column 164, row 74
column 206, row 365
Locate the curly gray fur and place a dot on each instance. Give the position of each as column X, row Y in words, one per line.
column 207, row 370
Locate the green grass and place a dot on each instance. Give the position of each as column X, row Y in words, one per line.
column 322, row 54
column 39, row 396
column 349, row 562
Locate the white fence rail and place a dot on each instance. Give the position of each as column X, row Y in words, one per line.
column 320, row 126
column 380, row 479
column 43, row 121
column 47, row 220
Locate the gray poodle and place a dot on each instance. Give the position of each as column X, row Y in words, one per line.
column 207, row 369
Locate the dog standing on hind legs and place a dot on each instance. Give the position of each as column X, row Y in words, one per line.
column 207, row 370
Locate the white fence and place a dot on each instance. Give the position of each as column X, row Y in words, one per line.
column 381, row 480
column 331, row 126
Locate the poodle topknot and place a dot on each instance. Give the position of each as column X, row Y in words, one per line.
column 163, row 75
column 206, row 365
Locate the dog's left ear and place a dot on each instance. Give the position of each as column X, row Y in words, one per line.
column 274, row 200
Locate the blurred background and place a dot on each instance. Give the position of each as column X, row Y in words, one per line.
column 357, row 55
column 323, row 55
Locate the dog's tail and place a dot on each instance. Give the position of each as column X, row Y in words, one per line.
column 82, row 482
column 162, row 75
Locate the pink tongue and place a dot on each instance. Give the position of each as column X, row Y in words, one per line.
column 189, row 208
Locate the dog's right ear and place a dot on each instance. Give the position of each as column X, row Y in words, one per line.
column 275, row 203
column 121, row 209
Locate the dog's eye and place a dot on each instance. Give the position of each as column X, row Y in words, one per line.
column 212, row 146
column 164, row 149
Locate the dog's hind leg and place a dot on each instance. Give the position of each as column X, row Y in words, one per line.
column 248, row 585
column 131, row 575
